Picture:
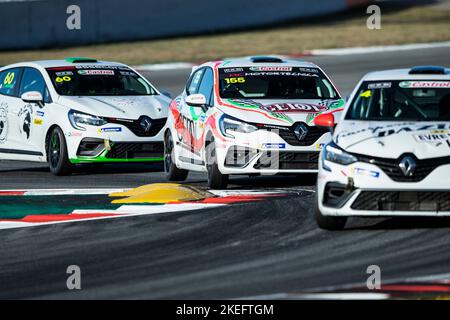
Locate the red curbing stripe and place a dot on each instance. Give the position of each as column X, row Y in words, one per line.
column 237, row 199
column 61, row 217
column 12, row 193
column 416, row 288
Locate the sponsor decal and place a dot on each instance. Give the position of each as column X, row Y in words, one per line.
column 99, row 66
column 391, row 129
column 366, row 94
column 379, row 85
column 107, row 145
column 365, row 172
column 96, row 72
column 232, row 70
column 74, row 134
column 40, row 114
column 25, row 115
column 38, row 122
column 319, row 146
column 308, row 70
column 112, row 129
column 64, row 73
column 3, row 122
column 271, row 68
column 128, row 73
column 274, row 145
column 295, row 107
column 439, row 136
column 424, row 84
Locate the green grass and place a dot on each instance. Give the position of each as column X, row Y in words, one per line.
column 412, row 25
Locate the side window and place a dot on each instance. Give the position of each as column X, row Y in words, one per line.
column 194, row 82
column 32, row 80
column 206, row 86
column 8, row 81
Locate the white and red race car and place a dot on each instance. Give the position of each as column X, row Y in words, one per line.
column 249, row 116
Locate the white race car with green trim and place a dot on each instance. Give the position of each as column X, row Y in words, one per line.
column 249, row 116
column 79, row 110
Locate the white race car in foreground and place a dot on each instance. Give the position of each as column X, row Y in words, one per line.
column 390, row 154
column 249, row 116
column 79, row 110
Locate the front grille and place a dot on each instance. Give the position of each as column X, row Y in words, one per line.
column 135, row 127
column 285, row 160
column 402, row 201
column 392, row 169
column 288, row 135
column 136, row 150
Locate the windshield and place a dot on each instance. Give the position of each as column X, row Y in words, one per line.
column 98, row 80
column 275, row 83
column 424, row 100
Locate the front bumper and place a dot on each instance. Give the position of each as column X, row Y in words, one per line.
column 97, row 150
column 104, row 145
column 363, row 189
column 266, row 152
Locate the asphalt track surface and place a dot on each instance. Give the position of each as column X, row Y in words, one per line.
column 242, row 250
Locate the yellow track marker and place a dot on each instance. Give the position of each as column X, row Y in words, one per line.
column 161, row 193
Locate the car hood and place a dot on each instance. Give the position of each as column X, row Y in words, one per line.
column 278, row 112
column 392, row 139
column 131, row 107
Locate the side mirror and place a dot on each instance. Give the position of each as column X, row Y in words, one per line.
column 196, row 100
column 325, row 120
column 33, row 97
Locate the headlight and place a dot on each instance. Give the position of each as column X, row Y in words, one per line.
column 333, row 153
column 229, row 125
column 78, row 119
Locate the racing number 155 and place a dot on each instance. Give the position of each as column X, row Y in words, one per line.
column 235, row 80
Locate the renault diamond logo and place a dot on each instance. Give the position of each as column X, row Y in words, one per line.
column 145, row 124
column 408, row 166
column 300, row 131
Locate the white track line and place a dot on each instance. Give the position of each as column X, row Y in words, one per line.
column 375, row 49
column 314, row 52
column 53, row 192
column 320, row 296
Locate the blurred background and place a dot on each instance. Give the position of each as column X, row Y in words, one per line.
column 154, row 31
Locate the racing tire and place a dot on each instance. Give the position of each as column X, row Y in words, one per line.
column 216, row 180
column 170, row 169
column 328, row 222
column 57, row 155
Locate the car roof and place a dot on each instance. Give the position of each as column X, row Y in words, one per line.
column 265, row 61
column 59, row 63
column 408, row 74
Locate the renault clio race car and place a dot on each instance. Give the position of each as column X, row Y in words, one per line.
column 390, row 154
column 79, row 110
column 249, row 116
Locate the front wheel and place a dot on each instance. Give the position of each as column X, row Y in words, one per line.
column 328, row 222
column 171, row 170
column 216, row 180
column 57, row 155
